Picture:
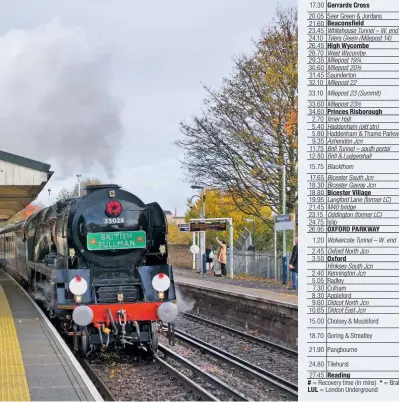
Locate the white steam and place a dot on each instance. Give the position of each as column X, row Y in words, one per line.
column 184, row 304
column 55, row 99
column 44, row 293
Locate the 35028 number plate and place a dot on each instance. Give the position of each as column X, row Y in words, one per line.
column 114, row 220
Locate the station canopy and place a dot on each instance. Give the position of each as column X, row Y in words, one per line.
column 21, row 181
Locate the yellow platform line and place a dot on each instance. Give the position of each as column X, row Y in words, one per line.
column 13, row 381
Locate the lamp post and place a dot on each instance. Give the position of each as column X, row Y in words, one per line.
column 285, row 266
column 79, row 176
column 202, row 216
column 253, row 231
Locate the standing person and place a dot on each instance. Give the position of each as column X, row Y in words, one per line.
column 222, row 255
column 209, row 256
column 294, row 266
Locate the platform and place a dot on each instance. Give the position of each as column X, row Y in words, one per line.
column 35, row 362
column 228, row 286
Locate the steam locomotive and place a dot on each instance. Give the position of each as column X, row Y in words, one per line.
column 99, row 265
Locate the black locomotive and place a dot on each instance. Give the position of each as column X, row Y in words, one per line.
column 99, row 263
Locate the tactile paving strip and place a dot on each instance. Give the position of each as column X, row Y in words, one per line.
column 13, row 382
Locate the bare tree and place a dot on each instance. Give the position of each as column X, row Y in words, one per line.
column 249, row 123
column 74, row 192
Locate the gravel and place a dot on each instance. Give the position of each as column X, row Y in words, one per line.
column 140, row 381
column 219, row 320
column 235, row 378
column 274, row 360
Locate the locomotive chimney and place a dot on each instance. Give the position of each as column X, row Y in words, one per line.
column 95, row 187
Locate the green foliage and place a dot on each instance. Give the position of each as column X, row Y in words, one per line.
column 177, row 237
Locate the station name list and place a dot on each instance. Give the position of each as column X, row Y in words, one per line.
column 349, row 145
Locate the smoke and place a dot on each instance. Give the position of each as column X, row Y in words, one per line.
column 44, row 293
column 184, row 304
column 55, row 99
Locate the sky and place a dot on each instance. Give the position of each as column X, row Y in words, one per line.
column 98, row 88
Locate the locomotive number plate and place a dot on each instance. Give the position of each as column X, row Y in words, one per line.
column 116, row 240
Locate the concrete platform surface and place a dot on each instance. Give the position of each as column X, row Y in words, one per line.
column 288, row 300
column 35, row 363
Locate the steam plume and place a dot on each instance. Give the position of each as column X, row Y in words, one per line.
column 55, row 99
column 184, row 304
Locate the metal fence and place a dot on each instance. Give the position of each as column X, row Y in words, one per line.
column 251, row 263
column 258, row 264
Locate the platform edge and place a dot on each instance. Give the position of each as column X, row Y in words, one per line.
column 85, row 378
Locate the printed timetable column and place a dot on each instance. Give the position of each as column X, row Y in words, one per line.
column 349, row 200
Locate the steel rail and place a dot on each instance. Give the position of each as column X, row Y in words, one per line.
column 243, row 334
column 203, row 393
column 220, row 385
column 270, row 378
column 100, row 385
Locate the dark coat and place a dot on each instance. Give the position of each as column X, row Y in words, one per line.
column 294, row 258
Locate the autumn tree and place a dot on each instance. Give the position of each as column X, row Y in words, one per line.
column 177, row 237
column 31, row 209
column 221, row 204
column 250, row 123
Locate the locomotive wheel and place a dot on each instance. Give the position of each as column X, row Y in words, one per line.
column 154, row 336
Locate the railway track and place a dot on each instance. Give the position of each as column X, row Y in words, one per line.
column 276, row 361
column 155, row 380
column 265, row 385
column 218, row 389
column 168, row 377
column 243, row 335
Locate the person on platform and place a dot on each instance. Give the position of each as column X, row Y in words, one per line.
column 222, row 255
column 294, row 266
column 209, row 257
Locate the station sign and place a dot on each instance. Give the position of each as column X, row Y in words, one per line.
column 208, row 226
column 284, row 222
column 184, row 227
column 194, row 249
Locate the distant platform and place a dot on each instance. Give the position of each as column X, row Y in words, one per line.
column 244, row 292
column 35, row 362
column 21, row 181
column 256, row 290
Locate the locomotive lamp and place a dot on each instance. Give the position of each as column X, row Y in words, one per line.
column 161, row 282
column 120, row 297
column 78, row 299
column 78, row 286
column 161, row 295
